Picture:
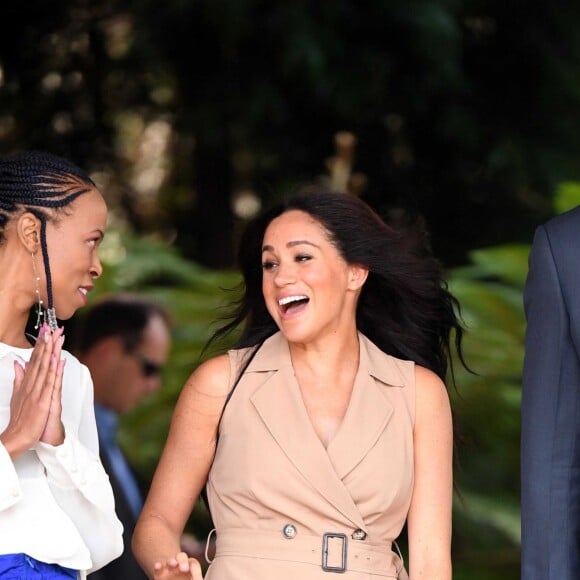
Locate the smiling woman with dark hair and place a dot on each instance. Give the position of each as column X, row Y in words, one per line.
column 57, row 516
column 329, row 427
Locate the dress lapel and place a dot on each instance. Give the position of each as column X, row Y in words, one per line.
column 369, row 410
column 279, row 403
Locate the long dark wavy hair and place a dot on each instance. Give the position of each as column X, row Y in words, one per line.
column 405, row 307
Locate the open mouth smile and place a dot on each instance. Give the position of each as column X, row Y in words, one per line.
column 293, row 304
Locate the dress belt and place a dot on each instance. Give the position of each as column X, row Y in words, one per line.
column 333, row 552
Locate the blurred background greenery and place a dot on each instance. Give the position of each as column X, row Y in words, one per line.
column 193, row 114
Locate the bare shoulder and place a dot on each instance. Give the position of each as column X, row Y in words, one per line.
column 202, row 397
column 211, row 376
column 431, row 392
column 207, row 387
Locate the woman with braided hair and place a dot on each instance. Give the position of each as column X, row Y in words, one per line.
column 57, row 516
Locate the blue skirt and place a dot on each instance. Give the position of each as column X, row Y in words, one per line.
column 23, row 567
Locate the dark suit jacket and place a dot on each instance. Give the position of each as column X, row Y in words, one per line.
column 125, row 567
column 550, row 454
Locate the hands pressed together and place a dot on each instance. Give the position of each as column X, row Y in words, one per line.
column 181, row 566
column 36, row 405
column 35, row 415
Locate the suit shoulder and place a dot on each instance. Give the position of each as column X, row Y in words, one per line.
column 565, row 224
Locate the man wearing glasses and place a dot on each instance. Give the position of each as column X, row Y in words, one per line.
column 124, row 340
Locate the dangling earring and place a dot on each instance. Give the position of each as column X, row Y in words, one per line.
column 50, row 311
column 51, row 315
column 40, row 311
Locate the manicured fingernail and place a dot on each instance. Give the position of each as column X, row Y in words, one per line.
column 41, row 331
column 46, row 337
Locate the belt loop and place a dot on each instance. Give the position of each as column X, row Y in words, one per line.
column 325, row 538
column 206, row 553
column 400, row 556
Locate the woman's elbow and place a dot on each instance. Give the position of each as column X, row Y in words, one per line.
column 137, row 538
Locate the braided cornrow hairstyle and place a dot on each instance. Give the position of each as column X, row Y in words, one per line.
column 42, row 184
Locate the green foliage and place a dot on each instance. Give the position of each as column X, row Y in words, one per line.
column 195, row 297
column 487, row 403
column 567, row 196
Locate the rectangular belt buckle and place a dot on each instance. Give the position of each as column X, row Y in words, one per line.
column 327, row 536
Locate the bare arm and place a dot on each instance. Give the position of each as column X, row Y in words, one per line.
column 429, row 520
column 182, row 473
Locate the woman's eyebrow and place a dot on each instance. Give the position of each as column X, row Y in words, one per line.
column 291, row 245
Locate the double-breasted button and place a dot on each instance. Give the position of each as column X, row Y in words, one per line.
column 359, row 534
column 289, row 531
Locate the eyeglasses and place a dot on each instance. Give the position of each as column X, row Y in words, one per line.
column 148, row 367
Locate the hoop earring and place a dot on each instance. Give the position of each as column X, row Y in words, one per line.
column 40, row 311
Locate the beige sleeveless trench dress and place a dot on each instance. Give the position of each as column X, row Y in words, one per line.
column 287, row 508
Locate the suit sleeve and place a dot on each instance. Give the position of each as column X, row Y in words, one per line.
column 550, row 422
